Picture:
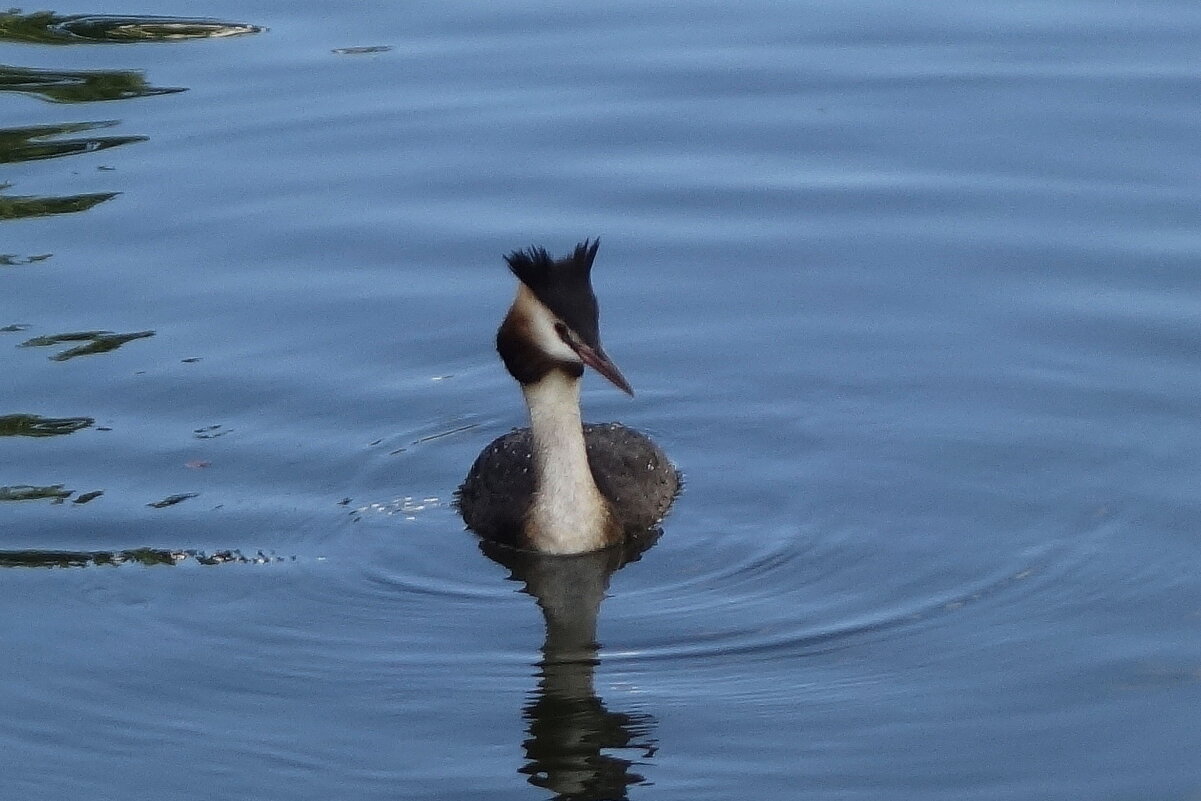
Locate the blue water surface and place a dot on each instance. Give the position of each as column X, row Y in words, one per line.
column 908, row 292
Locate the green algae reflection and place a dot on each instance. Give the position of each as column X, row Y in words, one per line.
column 15, row 207
column 46, row 27
column 30, row 492
column 94, row 342
column 33, row 143
column 79, row 86
column 32, row 425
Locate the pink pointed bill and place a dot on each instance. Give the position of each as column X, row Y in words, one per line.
column 598, row 360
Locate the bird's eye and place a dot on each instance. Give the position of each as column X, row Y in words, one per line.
column 564, row 332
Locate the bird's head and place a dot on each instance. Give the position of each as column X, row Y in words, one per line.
column 554, row 321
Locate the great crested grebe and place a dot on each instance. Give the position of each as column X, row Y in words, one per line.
column 561, row 486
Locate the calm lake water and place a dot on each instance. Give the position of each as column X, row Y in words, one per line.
column 908, row 292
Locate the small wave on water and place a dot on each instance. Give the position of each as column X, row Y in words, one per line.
column 812, row 593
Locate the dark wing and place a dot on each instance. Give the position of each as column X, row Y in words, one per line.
column 632, row 472
column 496, row 494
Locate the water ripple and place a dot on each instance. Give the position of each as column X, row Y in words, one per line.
column 809, row 596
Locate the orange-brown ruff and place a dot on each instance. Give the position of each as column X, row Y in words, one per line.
column 561, row 486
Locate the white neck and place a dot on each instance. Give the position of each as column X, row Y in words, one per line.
column 568, row 513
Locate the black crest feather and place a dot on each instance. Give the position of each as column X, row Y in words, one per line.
column 563, row 285
column 535, row 268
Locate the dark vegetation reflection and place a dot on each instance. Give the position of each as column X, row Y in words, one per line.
column 32, row 425
column 16, row 207
column 93, row 342
column 31, row 143
column 79, row 86
column 571, row 733
column 46, row 27
column 16, row 260
column 141, row 556
column 34, row 143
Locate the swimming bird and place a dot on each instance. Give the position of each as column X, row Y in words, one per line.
column 561, row 486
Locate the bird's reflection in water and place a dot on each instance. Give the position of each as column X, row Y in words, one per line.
column 574, row 740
